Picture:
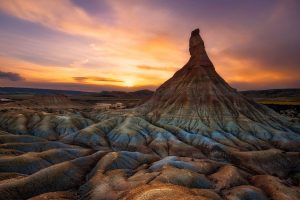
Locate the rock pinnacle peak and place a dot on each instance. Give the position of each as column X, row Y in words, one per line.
column 195, row 32
column 199, row 57
column 196, row 44
column 198, row 99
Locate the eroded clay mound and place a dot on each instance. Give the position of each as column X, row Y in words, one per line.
column 74, row 172
column 127, row 157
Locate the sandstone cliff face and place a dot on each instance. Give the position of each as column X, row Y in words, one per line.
column 196, row 138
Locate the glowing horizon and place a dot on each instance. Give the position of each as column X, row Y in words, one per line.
column 122, row 45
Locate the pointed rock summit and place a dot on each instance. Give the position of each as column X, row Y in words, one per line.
column 197, row 50
column 197, row 99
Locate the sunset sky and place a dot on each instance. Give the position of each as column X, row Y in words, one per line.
column 95, row 45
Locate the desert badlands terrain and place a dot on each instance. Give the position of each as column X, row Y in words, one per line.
column 195, row 138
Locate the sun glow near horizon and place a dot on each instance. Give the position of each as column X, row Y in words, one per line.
column 72, row 45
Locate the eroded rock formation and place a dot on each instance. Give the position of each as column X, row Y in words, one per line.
column 196, row 138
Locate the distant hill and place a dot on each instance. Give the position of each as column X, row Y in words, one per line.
column 272, row 93
column 36, row 91
column 256, row 94
column 120, row 94
column 57, row 101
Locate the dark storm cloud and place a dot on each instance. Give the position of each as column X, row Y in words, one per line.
column 11, row 76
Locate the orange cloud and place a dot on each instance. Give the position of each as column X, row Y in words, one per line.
column 243, row 71
column 147, row 67
column 32, row 71
column 55, row 14
column 94, row 78
column 117, row 47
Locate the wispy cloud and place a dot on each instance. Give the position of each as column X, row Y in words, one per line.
column 11, row 76
column 95, row 78
column 147, row 67
column 55, row 14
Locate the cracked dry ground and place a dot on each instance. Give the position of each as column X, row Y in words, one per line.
column 93, row 156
